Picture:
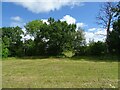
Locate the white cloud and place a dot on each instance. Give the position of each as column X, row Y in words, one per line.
column 27, row 37
column 16, row 18
column 71, row 20
column 96, row 34
column 42, row 6
column 45, row 21
column 61, row 0
column 17, row 21
column 111, row 29
column 89, row 36
column 68, row 19
column 80, row 25
column 100, row 31
column 92, row 29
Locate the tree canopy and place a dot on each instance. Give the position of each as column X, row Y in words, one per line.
column 49, row 39
column 55, row 37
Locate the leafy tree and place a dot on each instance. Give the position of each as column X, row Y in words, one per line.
column 11, row 40
column 51, row 39
column 29, row 48
column 114, row 37
column 79, row 42
column 5, row 51
column 33, row 27
column 38, row 30
column 116, row 10
column 106, row 17
column 96, row 48
column 61, row 36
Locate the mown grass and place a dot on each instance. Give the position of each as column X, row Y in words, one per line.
column 59, row 73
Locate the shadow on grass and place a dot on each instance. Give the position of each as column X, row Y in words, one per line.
column 97, row 58
column 106, row 58
column 33, row 57
column 41, row 57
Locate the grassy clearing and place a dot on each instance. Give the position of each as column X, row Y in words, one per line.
column 59, row 72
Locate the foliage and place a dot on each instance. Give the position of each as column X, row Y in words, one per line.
column 79, row 42
column 106, row 18
column 114, row 40
column 49, row 39
column 29, row 48
column 114, row 37
column 96, row 48
column 53, row 38
column 11, row 41
column 116, row 10
column 5, row 52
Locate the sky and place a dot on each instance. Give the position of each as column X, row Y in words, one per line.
column 83, row 14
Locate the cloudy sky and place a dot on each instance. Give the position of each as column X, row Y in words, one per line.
column 83, row 14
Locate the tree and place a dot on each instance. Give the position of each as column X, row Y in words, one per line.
column 49, row 39
column 116, row 10
column 33, row 27
column 38, row 30
column 114, row 37
column 61, row 36
column 11, row 41
column 79, row 42
column 105, row 18
column 96, row 48
column 29, row 47
column 52, row 38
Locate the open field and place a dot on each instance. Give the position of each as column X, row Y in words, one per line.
column 59, row 72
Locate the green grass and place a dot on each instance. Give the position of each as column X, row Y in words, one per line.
column 59, row 73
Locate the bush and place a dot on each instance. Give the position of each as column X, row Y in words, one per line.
column 96, row 48
column 80, row 51
column 5, row 52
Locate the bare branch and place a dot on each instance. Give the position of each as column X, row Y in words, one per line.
column 105, row 14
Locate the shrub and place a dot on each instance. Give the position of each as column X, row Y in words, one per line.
column 5, row 52
column 80, row 51
column 96, row 48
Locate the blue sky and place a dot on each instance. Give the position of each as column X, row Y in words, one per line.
column 85, row 13
column 81, row 13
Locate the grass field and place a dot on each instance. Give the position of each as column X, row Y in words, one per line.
column 59, row 73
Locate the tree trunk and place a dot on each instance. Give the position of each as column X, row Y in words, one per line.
column 108, row 31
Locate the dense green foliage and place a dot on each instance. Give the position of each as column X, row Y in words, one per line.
column 114, row 44
column 96, row 48
column 53, row 38
column 79, row 43
column 11, row 41
column 56, row 37
column 114, row 37
column 49, row 39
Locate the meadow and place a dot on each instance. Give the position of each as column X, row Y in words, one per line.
column 59, row 73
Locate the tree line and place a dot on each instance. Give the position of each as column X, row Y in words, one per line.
column 57, row 37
